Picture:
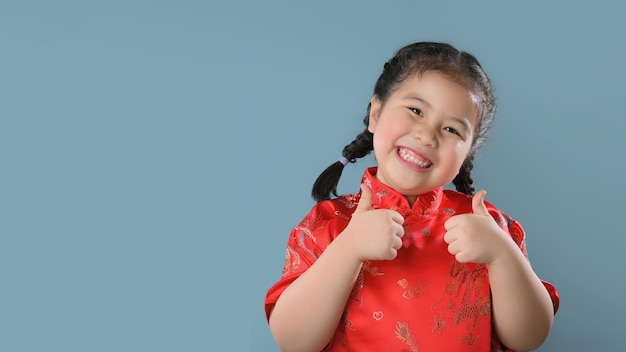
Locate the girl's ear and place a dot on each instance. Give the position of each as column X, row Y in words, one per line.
column 375, row 106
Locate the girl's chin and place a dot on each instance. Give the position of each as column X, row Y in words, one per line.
column 410, row 192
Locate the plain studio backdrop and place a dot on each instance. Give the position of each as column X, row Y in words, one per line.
column 156, row 154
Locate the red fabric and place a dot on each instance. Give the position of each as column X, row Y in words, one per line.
column 424, row 299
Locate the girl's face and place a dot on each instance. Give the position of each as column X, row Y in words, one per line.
column 423, row 133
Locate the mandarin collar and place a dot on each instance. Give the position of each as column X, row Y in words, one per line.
column 385, row 197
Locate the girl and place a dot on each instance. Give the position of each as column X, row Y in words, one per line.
column 406, row 265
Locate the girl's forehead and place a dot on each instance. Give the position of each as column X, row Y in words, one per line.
column 434, row 77
column 440, row 91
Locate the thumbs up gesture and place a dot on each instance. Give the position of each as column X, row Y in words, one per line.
column 375, row 234
column 476, row 237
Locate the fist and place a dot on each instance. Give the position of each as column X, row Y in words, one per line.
column 375, row 234
column 476, row 237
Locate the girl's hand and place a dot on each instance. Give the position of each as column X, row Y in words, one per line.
column 476, row 237
column 375, row 234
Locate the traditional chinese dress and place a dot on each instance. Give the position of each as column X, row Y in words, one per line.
column 424, row 300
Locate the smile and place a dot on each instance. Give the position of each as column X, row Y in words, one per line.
column 413, row 158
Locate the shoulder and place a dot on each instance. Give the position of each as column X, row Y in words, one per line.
column 345, row 203
column 338, row 210
column 456, row 202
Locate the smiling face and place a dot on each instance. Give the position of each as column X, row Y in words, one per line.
column 422, row 133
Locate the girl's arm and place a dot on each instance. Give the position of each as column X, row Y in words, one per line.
column 307, row 313
column 522, row 307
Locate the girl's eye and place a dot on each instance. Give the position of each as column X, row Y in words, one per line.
column 417, row 111
column 452, row 130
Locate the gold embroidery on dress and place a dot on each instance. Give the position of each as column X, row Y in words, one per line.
column 470, row 338
column 358, row 285
column 404, row 334
column 440, row 324
column 378, row 315
column 341, row 215
column 368, row 182
column 464, row 282
column 349, row 200
column 381, row 194
column 305, row 229
column 413, row 292
column 344, row 325
column 372, row 270
column 432, row 208
column 292, row 262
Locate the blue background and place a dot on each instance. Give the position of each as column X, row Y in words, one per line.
column 156, row 154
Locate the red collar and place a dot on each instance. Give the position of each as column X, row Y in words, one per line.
column 386, row 197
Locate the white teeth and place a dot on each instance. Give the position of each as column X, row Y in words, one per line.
column 410, row 158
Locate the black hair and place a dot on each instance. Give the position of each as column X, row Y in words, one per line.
column 411, row 60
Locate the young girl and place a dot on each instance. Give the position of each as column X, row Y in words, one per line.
column 406, row 265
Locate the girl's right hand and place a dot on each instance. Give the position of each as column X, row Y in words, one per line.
column 376, row 234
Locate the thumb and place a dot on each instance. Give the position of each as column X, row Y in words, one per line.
column 478, row 203
column 365, row 203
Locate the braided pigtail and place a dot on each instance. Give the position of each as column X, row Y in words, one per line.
column 463, row 181
column 327, row 181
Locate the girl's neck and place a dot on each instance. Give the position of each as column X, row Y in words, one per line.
column 411, row 200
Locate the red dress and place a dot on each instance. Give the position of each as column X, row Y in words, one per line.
column 424, row 300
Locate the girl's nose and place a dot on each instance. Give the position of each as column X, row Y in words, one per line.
column 426, row 135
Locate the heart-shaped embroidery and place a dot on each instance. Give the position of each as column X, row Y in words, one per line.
column 378, row 315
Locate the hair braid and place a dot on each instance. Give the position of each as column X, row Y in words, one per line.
column 463, row 181
column 362, row 145
column 327, row 181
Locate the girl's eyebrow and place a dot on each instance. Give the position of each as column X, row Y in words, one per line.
column 460, row 120
column 413, row 97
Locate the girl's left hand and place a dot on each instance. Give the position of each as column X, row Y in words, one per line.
column 476, row 238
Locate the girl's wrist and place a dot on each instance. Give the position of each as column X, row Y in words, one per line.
column 507, row 254
column 345, row 248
